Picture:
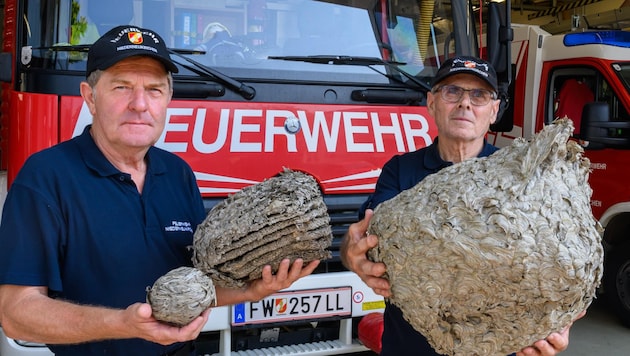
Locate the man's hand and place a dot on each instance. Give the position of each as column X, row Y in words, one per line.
column 354, row 250
column 285, row 276
column 268, row 284
column 552, row 345
column 139, row 317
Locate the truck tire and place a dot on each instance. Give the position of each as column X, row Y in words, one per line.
column 617, row 281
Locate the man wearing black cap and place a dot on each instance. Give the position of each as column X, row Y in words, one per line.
column 90, row 223
column 463, row 102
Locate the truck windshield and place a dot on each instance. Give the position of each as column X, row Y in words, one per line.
column 237, row 37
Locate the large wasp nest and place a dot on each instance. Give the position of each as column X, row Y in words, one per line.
column 492, row 254
column 181, row 295
column 281, row 217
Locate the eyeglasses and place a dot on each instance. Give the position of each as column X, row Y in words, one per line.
column 453, row 94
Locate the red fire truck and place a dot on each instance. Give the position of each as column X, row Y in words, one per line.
column 332, row 88
column 584, row 75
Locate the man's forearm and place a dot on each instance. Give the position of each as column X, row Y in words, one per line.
column 32, row 316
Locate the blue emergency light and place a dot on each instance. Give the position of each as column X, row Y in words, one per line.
column 611, row 38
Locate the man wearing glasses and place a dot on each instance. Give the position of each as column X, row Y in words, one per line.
column 463, row 102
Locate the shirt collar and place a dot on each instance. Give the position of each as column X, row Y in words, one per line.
column 433, row 161
column 96, row 161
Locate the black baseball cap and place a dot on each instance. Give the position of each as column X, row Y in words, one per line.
column 467, row 65
column 126, row 41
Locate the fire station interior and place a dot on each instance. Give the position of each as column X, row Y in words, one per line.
column 562, row 16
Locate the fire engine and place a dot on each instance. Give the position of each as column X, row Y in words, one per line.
column 332, row 88
column 585, row 76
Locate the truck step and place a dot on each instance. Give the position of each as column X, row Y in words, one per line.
column 332, row 347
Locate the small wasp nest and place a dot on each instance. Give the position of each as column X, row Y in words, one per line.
column 181, row 295
column 281, row 217
column 492, row 254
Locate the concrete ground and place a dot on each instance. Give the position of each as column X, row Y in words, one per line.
column 598, row 333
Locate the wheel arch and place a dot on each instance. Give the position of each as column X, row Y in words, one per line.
column 616, row 223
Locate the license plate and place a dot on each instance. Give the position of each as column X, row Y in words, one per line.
column 295, row 305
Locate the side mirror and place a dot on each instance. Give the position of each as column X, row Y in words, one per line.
column 499, row 41
column 597, row 128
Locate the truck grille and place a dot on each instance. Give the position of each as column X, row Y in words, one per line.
column 343, row 211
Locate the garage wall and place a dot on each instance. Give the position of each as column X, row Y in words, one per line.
column 607, row 11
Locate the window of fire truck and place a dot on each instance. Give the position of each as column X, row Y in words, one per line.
column 623, row 71
column 619, row 111
column 261, row 28
column 580, row 81
column 572, row 88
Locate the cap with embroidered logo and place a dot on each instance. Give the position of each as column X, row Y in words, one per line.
column 467, row 65
column 126, row 41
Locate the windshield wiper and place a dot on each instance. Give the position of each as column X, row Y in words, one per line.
column 326, row 59
column 358, row 61
column 246, row 91
column 67, row 48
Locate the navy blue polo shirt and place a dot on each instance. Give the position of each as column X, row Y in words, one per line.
column 400, row 173
column 74, row 223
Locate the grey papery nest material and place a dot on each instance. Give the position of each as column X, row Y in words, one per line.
column 282, row 217
column 492, row 254
column 181, row 295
